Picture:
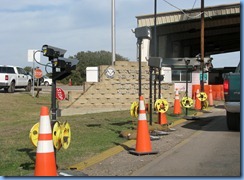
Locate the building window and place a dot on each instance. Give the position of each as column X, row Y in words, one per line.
column 180, row 75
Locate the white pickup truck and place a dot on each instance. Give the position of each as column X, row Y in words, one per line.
column 12, row 77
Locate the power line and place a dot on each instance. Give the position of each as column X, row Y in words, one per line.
column 183, row 10
column 194, row 4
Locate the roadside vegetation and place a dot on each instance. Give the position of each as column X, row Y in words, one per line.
column 86, row 59
column 91, row 133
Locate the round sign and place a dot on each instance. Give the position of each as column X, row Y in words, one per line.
column 60, row 95
column 38, row 73
column 110, row 72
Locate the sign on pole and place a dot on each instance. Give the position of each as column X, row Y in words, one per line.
column 205, row 77
column 60, row 95
column 38, row 73
column 31, row 53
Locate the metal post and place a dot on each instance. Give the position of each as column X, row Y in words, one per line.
column 150, row 94
column 113, row 31
column 155, row 28
column 33, row 77
column 186, row 84
column 202, row 48
column 159, row 83
column 139, row 42
column 155, row 48
column 53, row 103
column 53, row 98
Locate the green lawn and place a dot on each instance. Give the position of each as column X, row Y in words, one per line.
column 91, row 133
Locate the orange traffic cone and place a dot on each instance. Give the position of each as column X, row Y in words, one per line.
column 70, row 82
column 177, row 108
column 198, row 105
column 162, row 118
column 218, row 93
column 45, row 164
column 143, row 143
column 210, row 96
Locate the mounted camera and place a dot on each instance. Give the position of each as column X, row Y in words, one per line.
column 143, row 32
column 52, row 52
column 155, row 62
column 65, row 65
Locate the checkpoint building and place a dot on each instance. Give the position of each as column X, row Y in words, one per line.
column 178, row 36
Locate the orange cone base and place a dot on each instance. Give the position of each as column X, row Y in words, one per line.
column 46, row 165
column 162, row 119
column 142, row 153
column 143, row 142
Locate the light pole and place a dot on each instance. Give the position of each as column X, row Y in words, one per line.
column 113, row 30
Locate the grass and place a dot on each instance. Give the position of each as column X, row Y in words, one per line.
column 91, row 133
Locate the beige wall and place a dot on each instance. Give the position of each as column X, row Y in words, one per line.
column 113, row 94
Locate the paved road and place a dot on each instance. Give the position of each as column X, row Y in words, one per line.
column 64, row 87
column 211, row 151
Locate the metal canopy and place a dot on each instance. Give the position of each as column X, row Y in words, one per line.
column 222, row 30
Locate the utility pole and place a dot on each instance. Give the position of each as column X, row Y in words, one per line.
column 202, row 43
column 113, row 30
column 202, row 48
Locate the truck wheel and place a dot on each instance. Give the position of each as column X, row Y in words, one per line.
column 233, row 121
column 28, row 87
column 11, row 87
column 46, row 83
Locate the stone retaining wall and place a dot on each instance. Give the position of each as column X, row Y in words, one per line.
column 113, row 94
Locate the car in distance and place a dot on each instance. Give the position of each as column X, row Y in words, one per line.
column 13, row 77
column 46, row 81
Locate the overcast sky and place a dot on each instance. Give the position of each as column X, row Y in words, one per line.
column 80, row 25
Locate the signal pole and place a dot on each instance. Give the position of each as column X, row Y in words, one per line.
column 202, row 48
column 113, row 30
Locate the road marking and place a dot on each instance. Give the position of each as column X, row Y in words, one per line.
column 102, row 156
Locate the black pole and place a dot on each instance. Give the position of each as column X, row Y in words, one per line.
column 155, row 48
column 53, row 98
column 150, row 94
column 153, row 70
column 186, row 84
column 155, row 28
column 202, row 49
column 159, row 83
column 53, row 103
column 139, row 42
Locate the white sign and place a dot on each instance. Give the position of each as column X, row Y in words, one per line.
column 31, row 53
column 110, row 72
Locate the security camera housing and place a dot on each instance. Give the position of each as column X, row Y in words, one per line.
column 53, row 52
column 143, row 32
column 65, row 62
column 155, row 62
column 65, row 65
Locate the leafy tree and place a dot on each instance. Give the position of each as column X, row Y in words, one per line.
column 28, row 69
column 87, row 59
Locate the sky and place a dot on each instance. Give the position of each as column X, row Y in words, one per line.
column 81, row 25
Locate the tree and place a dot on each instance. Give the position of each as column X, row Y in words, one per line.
column 87, row 59
column 28, row 69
